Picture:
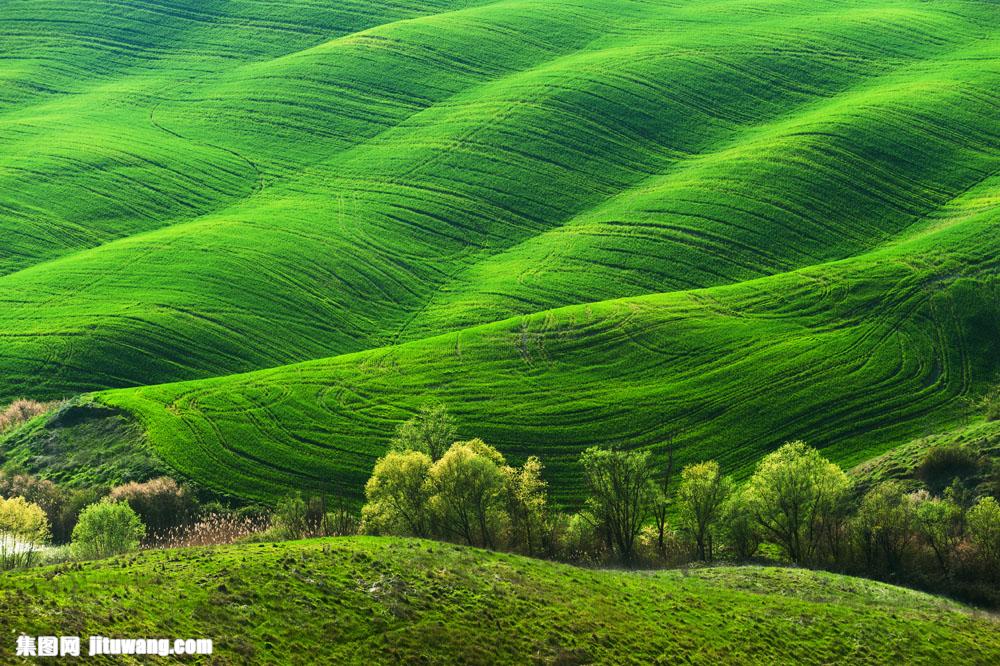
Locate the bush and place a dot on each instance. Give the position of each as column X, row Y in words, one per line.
column 23, row 528
column 20, row 411
column 621, row 496
column 76, row 501
column 944, row 463
column 160, row 503
column 467, row 501
column 291, row 518
column 107, row 528
column 42, row 492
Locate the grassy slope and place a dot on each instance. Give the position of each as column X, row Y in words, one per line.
column 903, row 462
column 827, row 170
column 854, row 356
column 361, row 600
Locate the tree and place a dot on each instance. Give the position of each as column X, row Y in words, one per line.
column 741, row 531
column 939, row 524
column 398, row 495
column 23, row 527
column 527, row 504
column 661, row 498
column 431, row 431
column 107, row 528
column 42, row 492
column 883, row 528
column 700, row 497
column 290, row 517
column 794, row 494
column 984, row 528
column 620, row 494
column 467, row 483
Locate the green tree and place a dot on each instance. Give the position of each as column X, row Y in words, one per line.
column 467, row 483
column 939, row 524
column 661, row 497
column 397, row 495
column 883, row 528
column 431, row 431
column 794, row 495
column 527, row 504
column 620, row 495
column 700, row 498
column 23, row 528
column 739, row 527
column 107, row 528
column 290, row 517
column 984, row 528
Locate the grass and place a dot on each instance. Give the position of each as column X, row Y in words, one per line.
column 637, row 148
column 270, row 233
column 365, row 600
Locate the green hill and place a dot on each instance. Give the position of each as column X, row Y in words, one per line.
column 573, row 222
column 367, row 600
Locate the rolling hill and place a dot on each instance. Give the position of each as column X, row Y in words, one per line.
column 267, row 234
column 370, row 600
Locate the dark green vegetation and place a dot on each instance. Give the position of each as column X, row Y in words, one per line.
column 572, row 222
column 397, row 600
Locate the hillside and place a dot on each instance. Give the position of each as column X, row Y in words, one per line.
column 268, row 234
column 365, row 600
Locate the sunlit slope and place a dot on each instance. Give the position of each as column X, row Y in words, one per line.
column 369, row 600
column 426, row 175
column 82, row 157
column 853, row 356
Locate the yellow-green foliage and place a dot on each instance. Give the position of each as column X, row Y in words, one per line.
column 23, row 528
column 790, row 496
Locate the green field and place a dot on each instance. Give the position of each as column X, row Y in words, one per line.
column 370, row 600
column 270, row 232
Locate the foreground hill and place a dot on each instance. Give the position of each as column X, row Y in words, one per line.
column 369, row 600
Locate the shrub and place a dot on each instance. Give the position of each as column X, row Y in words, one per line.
column 739, row 529
column 944, row 463
column 76, row 501
column 939, row 525
column 291, row 518
column 526, row 499
column 23, row 528
column 160, row 503
column 107, row 528
column 21, row 411
column 44, row 493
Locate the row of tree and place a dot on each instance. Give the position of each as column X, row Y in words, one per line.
column 796, row 503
